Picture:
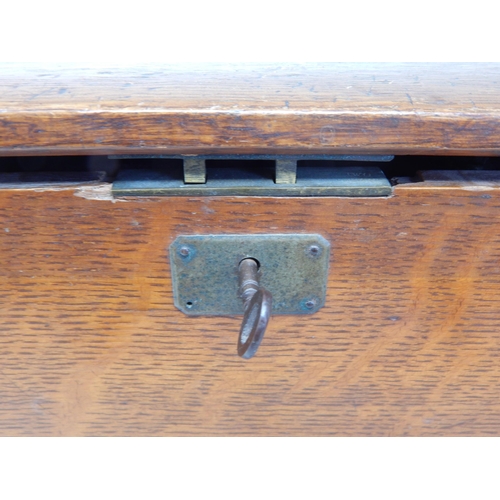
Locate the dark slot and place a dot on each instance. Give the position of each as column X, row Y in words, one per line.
column 56, row 169
column 233, row 169
column 84, row 168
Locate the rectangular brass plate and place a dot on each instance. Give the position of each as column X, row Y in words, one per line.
column 311, row 181
column 293, row 267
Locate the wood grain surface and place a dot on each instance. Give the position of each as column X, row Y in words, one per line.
column 407, row 344
column 251, row 108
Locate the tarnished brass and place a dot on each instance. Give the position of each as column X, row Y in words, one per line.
column 195, row 171
column 206, row 272
column 288, row 180
column 286, row 171
column 311, row 181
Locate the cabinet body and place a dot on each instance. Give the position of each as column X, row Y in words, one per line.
column 407, row 344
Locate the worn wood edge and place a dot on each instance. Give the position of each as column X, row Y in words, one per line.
column 49, row 151
column 100, row 191
column 62, row 133
column 103, row 191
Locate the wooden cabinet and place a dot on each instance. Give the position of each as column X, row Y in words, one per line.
column 408, row 342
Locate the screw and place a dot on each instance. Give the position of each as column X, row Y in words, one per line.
column 184, row 251
column 314, row 250
column 310, row 303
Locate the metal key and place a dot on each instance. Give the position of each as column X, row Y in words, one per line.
column 258, row 302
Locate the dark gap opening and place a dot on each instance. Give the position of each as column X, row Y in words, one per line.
column 57, row 169
column 409, row 166
column 86, row 168
column 240, row 169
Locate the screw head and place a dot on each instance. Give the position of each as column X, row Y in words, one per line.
column 314, row 251
column 184, row 251
column 310, row 304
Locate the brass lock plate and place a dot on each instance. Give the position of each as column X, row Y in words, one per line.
column 293, row 267
column 310, row 181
